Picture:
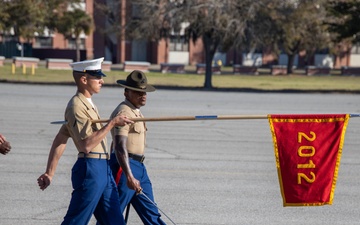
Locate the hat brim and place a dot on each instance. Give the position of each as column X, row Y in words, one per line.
column 148, row 88
column 95, row 73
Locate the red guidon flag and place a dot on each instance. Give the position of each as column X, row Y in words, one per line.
column 308, row 150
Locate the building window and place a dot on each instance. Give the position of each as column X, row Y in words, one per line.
column 324, row 51
column 355, row 49
column 73, row 46
column 43, row 42
column 178, row 43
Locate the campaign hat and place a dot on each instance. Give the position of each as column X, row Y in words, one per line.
column 91, row 67
column 136, row 81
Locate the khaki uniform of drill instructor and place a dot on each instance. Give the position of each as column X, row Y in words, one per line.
column 129, row 148
column 94, row 189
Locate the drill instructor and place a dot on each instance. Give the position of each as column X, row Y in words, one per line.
column 128, row 151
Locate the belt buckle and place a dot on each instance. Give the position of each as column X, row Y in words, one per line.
column 142, row 158
column 104, row 156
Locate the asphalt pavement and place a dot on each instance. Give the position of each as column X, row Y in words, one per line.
column 203, row 172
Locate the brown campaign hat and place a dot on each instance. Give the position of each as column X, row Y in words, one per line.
column 136, row 81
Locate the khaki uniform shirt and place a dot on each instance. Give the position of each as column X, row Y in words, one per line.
column 78, row 114
column 136, row 132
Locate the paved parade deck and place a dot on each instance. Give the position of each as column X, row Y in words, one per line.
column 203, row 172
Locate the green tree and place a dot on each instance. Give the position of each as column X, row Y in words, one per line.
column 56, row 8
column 72, row 24
column 290, row 26
column 346, row 19
column 26, row 18
column 4, row 16
column 344, row 24
column 23, row 19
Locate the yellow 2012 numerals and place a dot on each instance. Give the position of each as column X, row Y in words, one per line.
column 306, row 151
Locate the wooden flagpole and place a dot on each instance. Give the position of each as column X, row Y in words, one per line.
column 179, row 118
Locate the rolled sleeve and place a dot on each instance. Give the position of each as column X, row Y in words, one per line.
column 79, row 123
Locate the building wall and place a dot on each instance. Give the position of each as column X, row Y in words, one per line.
column 162, row 51
column 179, row 57
column 59, row 41
column 118, row 49
column 99, row 39
column 89, row 41
column 355, row 60
column 196, row 52
column 123, row 47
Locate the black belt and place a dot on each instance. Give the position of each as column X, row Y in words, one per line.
column 136, row 157
column 93, row 155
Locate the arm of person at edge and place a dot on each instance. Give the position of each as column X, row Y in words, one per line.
column 4, row 145
column 59, row 144
column 56, row 151
column 122, row 157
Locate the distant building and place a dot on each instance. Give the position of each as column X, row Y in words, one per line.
column 175, row 49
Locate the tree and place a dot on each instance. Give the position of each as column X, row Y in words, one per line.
column 290, row 26
column 55, row 8
column 220, row 24
column 23, row 19
column 346, row 19
column 217, row 23
column 65, row 17
column 4, row 16
column 73, row 24
column 344, row 25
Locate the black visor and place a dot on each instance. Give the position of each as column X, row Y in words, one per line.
column 95, row 73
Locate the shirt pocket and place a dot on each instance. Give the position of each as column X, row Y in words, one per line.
column 136, row 136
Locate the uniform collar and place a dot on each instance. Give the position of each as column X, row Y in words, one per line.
column 127, row 102
column 84, row 100
column 133, row 108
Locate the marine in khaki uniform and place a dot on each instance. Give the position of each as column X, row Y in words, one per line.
column 128, row 151
column 94, row 189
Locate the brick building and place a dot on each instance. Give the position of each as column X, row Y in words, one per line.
column 118, row 49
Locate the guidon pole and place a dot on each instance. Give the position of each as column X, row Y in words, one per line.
column 203, row 117
column 182, row 118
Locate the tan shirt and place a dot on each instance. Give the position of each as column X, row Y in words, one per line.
column 136, row 133
column 78, row 114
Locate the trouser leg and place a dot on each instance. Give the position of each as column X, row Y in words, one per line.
column 147, row 211
column 86, row 192
column 108, row 210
